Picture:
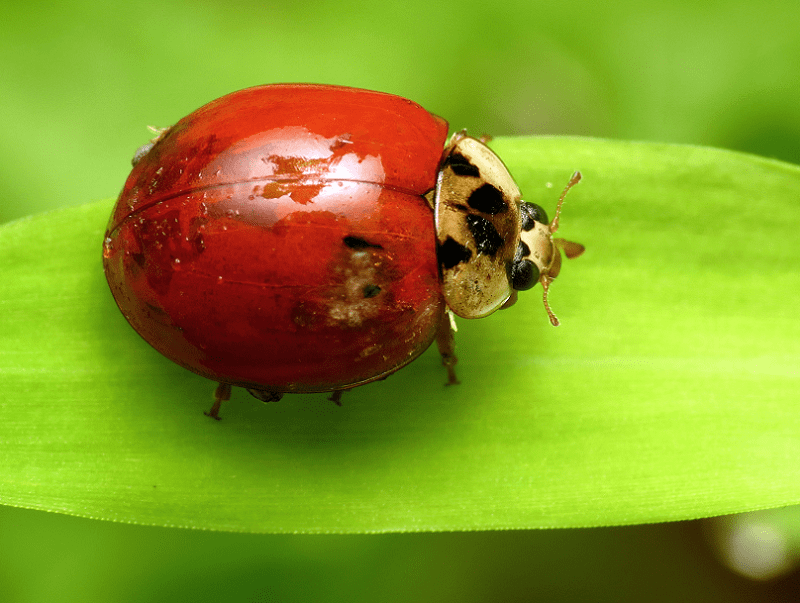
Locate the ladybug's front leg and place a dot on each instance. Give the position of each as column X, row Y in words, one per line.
column 446, row 342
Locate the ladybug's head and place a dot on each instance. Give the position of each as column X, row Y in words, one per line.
column 538, row 257
column 490, row 243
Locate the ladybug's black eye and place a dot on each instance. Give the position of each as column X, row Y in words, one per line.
column 524, row 275
column 530, row 213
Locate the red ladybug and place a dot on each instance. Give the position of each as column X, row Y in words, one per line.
column 304, row 238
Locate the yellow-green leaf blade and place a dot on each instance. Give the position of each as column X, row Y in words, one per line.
column 669, row 392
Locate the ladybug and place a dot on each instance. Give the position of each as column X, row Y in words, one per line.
column 311, row 238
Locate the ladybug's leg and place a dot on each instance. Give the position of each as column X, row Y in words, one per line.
column 446, row 341
column 336, row 397
column 264, row 395
column 222, row 393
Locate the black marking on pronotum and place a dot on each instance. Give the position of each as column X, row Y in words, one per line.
column 530, row 213
column 487, row 239
column 488, row 199
column 522, row 251
column 371, row 291
column 462, row 166
column 359, row 243
column 452, row 253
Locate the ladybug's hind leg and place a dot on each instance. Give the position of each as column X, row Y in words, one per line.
column 222, row 393
column 446, row 342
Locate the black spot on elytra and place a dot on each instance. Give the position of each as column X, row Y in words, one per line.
column 488, row 199
column 530, row 213
column 452, row 253
column 487, row 239
column 462, row 166
column 359, row 243
column 371, row 291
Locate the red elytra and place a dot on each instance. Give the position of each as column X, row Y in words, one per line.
column 283, row 238
column 225, row 250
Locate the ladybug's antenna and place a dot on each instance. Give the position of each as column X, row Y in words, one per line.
column 576, row 177
column 571, row 250
column 545, row 288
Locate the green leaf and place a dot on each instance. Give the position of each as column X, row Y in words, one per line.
column 669, row 392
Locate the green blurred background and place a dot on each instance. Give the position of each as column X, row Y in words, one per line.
column 79, row 81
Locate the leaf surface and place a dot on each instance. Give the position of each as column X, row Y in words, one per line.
column 669, row 392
